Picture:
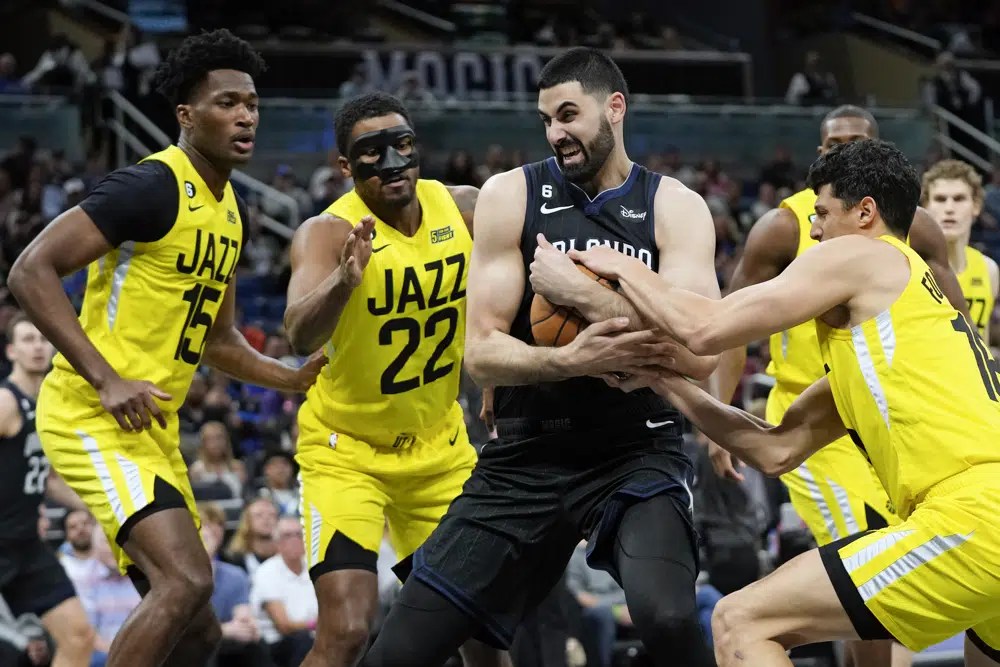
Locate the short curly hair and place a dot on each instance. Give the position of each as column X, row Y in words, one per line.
column 190, row 63
column 953, row 170
column 363, row 107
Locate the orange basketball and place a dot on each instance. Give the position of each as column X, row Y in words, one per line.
column 555, row 326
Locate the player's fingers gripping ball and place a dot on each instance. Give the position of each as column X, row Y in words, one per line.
column 555, row 326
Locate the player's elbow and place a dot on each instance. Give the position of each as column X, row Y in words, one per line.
column 23, row 274
column 703, row 341
column 475, row 359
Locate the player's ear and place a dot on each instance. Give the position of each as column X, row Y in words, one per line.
column 345, row 166
column 616, row 108
column 184, row 116
column 867, row 210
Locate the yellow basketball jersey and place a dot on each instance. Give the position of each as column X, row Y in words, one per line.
column 396, row 355
column 795, row 358
column 916, row 387
column 148, row 307
column 977, row 289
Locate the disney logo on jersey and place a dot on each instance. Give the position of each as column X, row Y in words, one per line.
column 642, row 254
column 633, row 215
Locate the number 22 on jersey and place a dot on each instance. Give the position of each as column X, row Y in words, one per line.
column 437, row 328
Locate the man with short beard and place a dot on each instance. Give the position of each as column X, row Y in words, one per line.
column 573, row 459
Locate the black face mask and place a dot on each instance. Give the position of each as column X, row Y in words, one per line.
column 390, row 161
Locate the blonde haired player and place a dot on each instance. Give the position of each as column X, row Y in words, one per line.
column 953, row 194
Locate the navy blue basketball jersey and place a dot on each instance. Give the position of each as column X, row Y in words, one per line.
column 24, row 473
column 621, row 218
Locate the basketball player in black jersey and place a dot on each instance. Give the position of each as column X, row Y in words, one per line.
column 572, row 458
column 31, row 579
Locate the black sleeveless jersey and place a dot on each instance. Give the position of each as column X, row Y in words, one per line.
column 621, row 218
column 23, row 473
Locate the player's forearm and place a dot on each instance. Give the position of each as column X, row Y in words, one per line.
column 728, row 373
column 39, row 291
column 597, row 303
column 750, row 439
column 500, row 360
column 312, row 319
column 56, row 489
column 662, row 306
column 228, row 351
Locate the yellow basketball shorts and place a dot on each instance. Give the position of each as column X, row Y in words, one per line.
column 932, row 576
column 835, row 491
column 121, row 476
column 349, row 489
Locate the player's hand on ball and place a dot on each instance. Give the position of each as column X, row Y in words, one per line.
column 603, row 260
column 132, row 403
column 357, row 251
column 683, row 361
column 306, row 374
column 554, row 275
column 608, row 346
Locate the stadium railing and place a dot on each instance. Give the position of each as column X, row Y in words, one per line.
column 947, row 123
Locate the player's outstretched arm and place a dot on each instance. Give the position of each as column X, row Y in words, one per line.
column 709, row 326
column 771, row 246
column 927, row 239
column 496, row 286
column 811, row 423
column 227, row 350
column 329, row 256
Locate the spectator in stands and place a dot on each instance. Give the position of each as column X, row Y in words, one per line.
column 283, row 597
column 76, row 554
column 767, row 198
column 357, row 85
column 10, row 84
column 18, row 162
column 241, row 643
column 112, row 598
column 328, row 183
column 460, row 170
column 780, row 171
column 279, row 481
column 284, row 181
column 411, row 92
column 216, row 465
column 61, row 68
column 812, row 85
column 253, row 542
column 603, row 606
column 494, row 163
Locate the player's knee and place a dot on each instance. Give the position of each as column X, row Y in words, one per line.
column 343, row 635
column 185, row 591
column 729, row 622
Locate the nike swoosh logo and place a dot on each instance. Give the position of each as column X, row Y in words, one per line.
column 195, row 208
column 546, row 210
column 651, row 424
column 455, row 439
column 381, row 248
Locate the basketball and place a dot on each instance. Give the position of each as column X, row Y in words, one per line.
column 555, row 326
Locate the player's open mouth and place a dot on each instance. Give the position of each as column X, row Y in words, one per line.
column 243, row 143
column 571, row 154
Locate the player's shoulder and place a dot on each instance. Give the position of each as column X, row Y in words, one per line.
column 9, row 410
column 672, row 195
column 323, row 224
column 148, row 173
column 465, row 196
column 505, row 184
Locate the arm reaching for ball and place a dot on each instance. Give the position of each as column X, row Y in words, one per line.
column 811, row 422
column 496, row 285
